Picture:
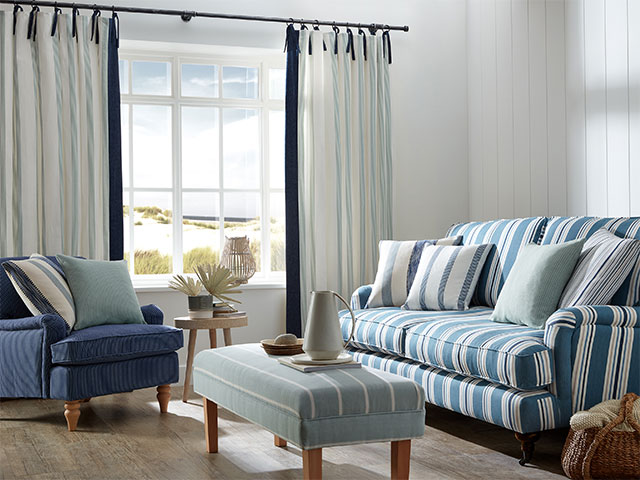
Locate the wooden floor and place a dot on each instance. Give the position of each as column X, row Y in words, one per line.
column 124, row 436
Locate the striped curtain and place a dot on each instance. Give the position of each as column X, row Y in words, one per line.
column 60, row 159
column 344, row 159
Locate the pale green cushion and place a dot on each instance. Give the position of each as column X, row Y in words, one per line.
column 311, row 410
column 536, row 281
column 102, row 292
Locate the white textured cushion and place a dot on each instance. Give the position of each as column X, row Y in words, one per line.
column 602, row 268
column 41, row 285
column 397, row 268
column 446, row 277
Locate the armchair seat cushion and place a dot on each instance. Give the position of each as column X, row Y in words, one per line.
column 114, row 343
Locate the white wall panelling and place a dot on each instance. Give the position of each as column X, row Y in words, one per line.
column 554, row 107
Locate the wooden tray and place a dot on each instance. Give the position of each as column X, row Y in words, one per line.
column 275, row 349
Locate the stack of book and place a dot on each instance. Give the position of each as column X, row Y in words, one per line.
column 222, row 310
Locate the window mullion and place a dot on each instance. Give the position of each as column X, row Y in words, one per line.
column 177, row 171
column 264, row 178
column 132, row 250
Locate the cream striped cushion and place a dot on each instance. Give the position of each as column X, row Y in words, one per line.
column 41, row 285
column 446, row 277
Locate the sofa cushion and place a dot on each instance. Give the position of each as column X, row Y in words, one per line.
column 113, row 343
column 508, row 236
column 469, row 343
column 563, row 229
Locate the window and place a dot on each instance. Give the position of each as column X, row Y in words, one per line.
column 203, row 159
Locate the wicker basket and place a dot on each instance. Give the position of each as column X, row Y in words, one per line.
column 602, row 452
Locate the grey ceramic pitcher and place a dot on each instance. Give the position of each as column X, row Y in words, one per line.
column 323, row 336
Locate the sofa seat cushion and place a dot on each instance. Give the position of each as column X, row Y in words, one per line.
column 113, row 343
column 469, row 343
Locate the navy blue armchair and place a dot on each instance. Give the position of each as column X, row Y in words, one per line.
column 39, row 358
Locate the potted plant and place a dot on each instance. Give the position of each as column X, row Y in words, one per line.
column 219, row 282
column 200, row 306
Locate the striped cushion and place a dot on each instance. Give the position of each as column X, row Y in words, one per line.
column 446, row 277
column 42, row 287
column 336, row 407
column 562, row 229
column 508, row 236
column 524, row 412
column 397, row 268
column 605, row 262
column 471, row 344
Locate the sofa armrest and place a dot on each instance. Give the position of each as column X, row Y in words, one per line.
column 25, row 354
column 360, row 297
column 596, row 353
column 152, row 314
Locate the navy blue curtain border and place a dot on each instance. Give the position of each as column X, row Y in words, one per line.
column 116, row 225
column 294, row 321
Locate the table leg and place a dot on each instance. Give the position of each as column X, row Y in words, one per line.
column 312, row 464
column 227, row 336
column 211, row 425
column 187, row 376
column 213, row 340
column 400, row 459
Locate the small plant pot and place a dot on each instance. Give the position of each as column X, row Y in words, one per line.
column 201, row 306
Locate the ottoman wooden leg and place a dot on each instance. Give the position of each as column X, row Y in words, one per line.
column 211, row 425
column 279, row 442
column 400, row 459
column 163, row 396
column 312, row 464
column 72, row 414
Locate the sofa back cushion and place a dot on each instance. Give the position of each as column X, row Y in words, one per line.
column 563, row 229
column 11, row 305
column 508, row 236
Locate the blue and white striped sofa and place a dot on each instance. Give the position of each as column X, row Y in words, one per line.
column 520, row 378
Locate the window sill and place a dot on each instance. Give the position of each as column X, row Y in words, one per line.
column 161, row 286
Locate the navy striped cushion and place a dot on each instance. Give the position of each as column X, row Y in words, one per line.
column 397, row 268
column 508, row 236
column 446, row 277
column 563, row 229
column 604, row 264
column 42, row 286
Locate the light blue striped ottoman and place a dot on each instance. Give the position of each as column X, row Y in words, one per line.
column 310, row 410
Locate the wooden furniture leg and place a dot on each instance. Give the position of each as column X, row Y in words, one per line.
column 163, row 396
column 279, row 442
column 72, row 414
column 227, row 336
column 187, row 376
column 527, row 445
column 213, row 340
column 312, row 464
column 211, row 425
column 400, row 459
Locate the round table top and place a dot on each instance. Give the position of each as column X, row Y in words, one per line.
column 239, row 319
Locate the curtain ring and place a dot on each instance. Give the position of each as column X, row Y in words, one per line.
column 316, row 25
column 54, row 23
column 74, row 21
column 95, row 26
column 350, row 47
column 116, row 25
column 33, row 21
column 16, row 8
column 364, row 42
column 336, row 31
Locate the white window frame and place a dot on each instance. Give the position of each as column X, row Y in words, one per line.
column 176, row 55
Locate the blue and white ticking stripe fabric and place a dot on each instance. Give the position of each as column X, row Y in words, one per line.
column 563, row 229
column 605, row 262
column 397, row 268
column 336, row 407
column 508, row 236
column 596, row 354
column 524, row 412
column 465, row 342
column 54, row 136
column 41, row 284
column 446, row 277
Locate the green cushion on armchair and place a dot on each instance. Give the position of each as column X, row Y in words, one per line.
column 102, row 292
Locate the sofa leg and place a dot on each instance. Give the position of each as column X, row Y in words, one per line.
column 527, row 444
column 163, row 396
column 72, row 414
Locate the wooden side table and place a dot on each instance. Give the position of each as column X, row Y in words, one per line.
column 226, row 323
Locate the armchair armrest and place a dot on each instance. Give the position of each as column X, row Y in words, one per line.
column 360, row 297
column 152, row 314
column 596, row 352
column 25, row 354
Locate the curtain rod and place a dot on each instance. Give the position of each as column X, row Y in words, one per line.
column 187, row 15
